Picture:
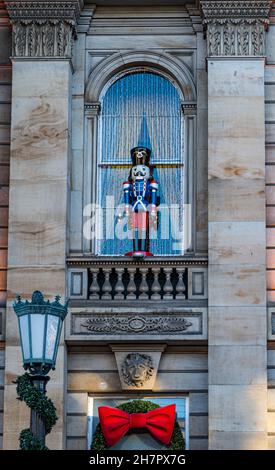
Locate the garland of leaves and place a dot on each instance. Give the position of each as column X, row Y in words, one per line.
column 139, row 406
column 44, row 407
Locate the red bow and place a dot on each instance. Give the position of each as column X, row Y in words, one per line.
column 115, row 423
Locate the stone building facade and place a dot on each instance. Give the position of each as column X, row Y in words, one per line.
column 204, row 320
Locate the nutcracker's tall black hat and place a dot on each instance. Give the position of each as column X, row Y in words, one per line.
column 140, row 156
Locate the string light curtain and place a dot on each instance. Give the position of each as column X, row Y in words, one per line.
column 141, row 108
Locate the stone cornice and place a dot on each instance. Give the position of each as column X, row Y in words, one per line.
column 67, row 10
column 249, row 10
column 43, row 29
column 236, row 28
column 122, row 261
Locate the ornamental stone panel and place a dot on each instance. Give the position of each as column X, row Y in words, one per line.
column 43, row 29
column 135, row 323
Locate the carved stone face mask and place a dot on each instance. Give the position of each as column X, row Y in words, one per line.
column 138, row 372
column 140, row 171
column 137, row 369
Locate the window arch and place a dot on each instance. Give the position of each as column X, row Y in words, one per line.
column 141, row 107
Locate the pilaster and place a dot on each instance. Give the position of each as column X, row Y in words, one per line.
column 235, row 32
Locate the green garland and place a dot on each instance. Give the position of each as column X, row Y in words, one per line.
column 36, row 400
column 139, row 406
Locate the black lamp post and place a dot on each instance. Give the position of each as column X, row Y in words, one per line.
column 40, row 324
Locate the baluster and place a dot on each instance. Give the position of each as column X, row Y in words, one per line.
column 120, row 289
column 94, row 288
column 180, row 287
column 107, row 288
column 156, row 288
column 144, row 289
column 131, row 288
column 168, row 288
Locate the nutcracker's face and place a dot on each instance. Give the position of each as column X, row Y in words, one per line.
column 140, row 172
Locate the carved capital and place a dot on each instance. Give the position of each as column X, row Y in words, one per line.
column 92, row 109
column 43, row 29
column 236, row 28
column 189, row 108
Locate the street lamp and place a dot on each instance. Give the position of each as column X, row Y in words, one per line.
column 40, row 324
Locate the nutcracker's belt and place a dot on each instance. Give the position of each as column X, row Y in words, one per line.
column 139, row 203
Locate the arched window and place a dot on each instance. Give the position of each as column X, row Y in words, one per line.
column 141, row 108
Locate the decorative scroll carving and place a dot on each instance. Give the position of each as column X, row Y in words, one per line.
column 236, row 28
column 115, row 324
column 132, row 323
column 137, row 369
column 43, row 29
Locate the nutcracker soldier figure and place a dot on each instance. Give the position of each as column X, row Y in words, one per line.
column 140, row 198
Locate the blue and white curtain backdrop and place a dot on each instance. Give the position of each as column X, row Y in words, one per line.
column 141, row 108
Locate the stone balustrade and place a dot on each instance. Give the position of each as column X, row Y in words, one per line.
column 143, row 283
column 120, row 279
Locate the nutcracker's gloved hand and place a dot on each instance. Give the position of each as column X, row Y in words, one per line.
column 128, row 215
column 123, row 213
column 130, row 222
column 120, row 218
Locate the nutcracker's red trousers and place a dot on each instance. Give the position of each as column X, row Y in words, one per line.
column 140, row 220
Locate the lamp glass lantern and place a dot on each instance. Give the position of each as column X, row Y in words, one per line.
column 40, row 324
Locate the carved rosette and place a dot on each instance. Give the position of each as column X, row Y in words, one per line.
column 236, row 28
column 43, row 29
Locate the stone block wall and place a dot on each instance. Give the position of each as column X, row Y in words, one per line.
column 236, row 213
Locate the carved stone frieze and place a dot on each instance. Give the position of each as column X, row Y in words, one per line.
column 236, row 28
column 136, row 324
column 43, row 29
column 133, row 323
